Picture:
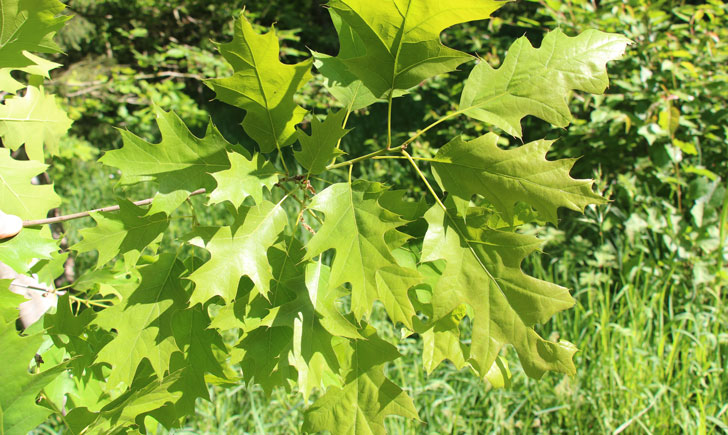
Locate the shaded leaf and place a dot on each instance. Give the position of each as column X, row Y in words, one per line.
column 195, row 341
column 143, row 322
column 301, row 328
column 367, row 396
column 442, row 341
column 128, row 230
column 483, row 271
column 19, row 412
column 263, row 357
column 318, row 149
column 359, row 229
column 125, row 411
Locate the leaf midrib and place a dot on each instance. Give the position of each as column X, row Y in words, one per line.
column 254, row 65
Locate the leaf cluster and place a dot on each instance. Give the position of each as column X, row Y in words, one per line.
column 281, row 293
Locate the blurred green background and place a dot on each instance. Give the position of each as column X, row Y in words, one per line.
column 647, row 269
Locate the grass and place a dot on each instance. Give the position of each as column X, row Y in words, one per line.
column 653, row 357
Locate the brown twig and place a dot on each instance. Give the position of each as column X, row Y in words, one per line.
column 83, row 214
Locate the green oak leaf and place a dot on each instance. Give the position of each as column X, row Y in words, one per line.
column 367, row 396
column 69, row 332
column 39, row 67
column 341, row 83
column 504, row 177
column 64, row 322
column 296, row 326
column 483, row 271
column 181, row 161
column 442, row 341
column 537, row 81
column 167, row 202
column 125, row 412
column 19, row 412
column 262, row 86
column 402, row 39
column 18, row 196
column 195, row 340
column 324, row 297
column 128, row 230
column 239, row 253
column 9, row 302
column 320, row 148
column 143, row 322
column 35, row 119
column 363, row 234
column 28, row 26
column 246, row 177
column 263, row 357
column 31, row 244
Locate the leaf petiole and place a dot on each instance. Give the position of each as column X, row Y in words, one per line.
column 422, row 159
column 424, row 179
column 398, row 148
column 303, row 204
column 362, row 158
column 431, row 126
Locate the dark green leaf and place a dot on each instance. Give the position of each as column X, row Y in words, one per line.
column 318, row 149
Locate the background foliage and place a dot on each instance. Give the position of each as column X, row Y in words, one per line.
column 647, row 269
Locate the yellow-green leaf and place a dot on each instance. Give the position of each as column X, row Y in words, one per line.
column 538, row 81
column 262, row 86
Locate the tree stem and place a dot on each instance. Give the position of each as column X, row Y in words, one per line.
column 84, row 214
column 389, row 119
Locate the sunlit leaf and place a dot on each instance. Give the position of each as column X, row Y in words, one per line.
column 262, row 86
column 357, row 227
column 538, row 81
column 505, row 177
column 240, row 252
column 397, row 43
